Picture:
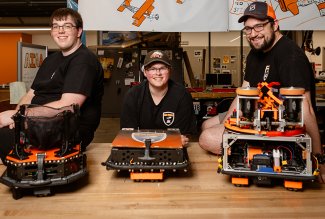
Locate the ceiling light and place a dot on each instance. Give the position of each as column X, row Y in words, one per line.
column 234, row 39
column 15, row 29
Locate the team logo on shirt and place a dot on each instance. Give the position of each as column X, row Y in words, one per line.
column 168, row 118
column 266, row 72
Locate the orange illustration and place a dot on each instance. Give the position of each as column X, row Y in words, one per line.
column 145, row 11
column 291, row 6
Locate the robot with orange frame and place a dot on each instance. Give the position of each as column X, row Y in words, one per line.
column 46, row 152
column 147, row 154
column 265, row 138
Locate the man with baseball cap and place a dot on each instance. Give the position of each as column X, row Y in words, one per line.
column 156, row 56
column 258, row 10
column 273, row 58
column 158, row 102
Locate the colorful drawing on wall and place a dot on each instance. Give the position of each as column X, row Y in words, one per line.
column 216, row 65
column 30, row 57
column 154, row 15
column 142, row 12
column 107, row 64
column 292, row 5
column 226, row 59
column 292, row 14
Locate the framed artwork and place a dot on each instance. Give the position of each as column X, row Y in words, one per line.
column 30, row 58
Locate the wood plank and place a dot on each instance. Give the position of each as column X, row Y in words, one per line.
column 4, row 94
column 212, row 95
column 199, row 193
column 189, row 68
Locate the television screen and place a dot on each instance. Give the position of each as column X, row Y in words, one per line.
column 224, row 79
column 211, row 79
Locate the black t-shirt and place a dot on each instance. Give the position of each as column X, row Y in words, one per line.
column 174, row 111
column 79, row 72
column 285, row 63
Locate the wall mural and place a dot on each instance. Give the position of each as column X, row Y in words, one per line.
column 292, row 14
column 194, row 15
column 155, row 15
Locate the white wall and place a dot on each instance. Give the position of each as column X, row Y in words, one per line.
column 217, row 39
column 232, row 39
column 198, row 39
column 44, row 38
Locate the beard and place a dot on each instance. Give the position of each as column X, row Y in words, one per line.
column 266, row 45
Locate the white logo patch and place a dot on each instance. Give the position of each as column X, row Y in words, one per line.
column 168, row 118
column 266, row 72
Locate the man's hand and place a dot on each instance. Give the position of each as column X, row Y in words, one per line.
column 184, row 140
column 6, row 119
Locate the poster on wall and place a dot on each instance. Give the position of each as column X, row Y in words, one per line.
column 292, row 14
column 154, row 15
column 194, row 15
column 30, row 58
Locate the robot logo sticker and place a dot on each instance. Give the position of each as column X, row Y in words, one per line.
column 156, row 54
column 168, row 118
column 153, row 136
column 266, row 72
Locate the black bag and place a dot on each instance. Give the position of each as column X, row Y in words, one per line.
column 47, row 127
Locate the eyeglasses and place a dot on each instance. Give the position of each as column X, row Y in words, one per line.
column 257, row 28
column 66, row 27
column 161, row 70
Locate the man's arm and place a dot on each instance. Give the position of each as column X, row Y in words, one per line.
column 215, row 120
column 68, row 99
column 6, row 116
column 26, row 99
column 211, row 135
column 311, row 124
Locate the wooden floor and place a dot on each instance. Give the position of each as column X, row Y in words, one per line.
column 200, row 193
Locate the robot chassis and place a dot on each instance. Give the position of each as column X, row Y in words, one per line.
column 46, row 151
column 147, row 154
column 268, row 141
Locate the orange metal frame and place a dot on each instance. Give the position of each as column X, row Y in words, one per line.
column 292, row 184
column 146, row 176
column 239, row 181
column 268, row 103
column 50, row 155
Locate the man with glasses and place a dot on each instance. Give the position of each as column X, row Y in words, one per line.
column 158, row 102
column 273, row 58
column 71, row 76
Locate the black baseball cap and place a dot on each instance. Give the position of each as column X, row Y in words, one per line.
column 258, row 10
column 156, row 56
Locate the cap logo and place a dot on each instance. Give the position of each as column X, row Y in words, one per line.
column 156, row 54
column 252, row 7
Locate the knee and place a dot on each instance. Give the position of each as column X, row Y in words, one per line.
column 209, row 123
column 204, row 125
column 210, row 142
